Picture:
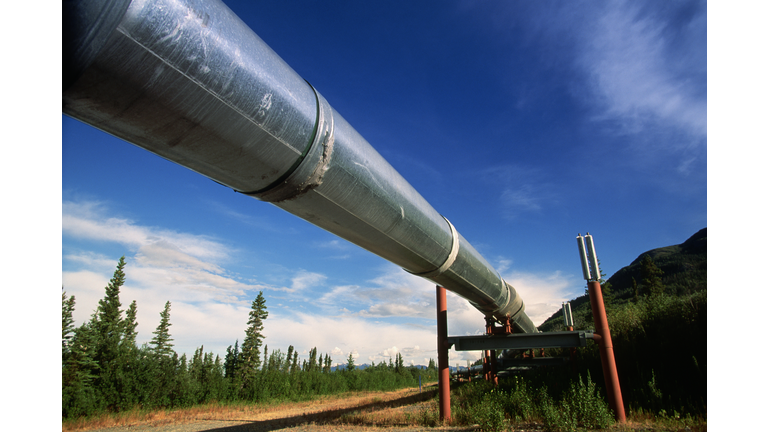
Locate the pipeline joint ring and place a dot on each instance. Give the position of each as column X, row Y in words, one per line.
column 451, row 256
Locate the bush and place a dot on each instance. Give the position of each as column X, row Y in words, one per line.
column 586, row 407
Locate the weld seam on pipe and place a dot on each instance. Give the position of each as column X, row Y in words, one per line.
column 451, row 256
column 307, row 172
column 302, row 156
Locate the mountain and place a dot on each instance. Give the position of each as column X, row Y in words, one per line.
column 684, row 267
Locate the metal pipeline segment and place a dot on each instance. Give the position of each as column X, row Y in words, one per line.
column 190, row 82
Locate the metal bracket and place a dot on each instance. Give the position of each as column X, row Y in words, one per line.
column 520, row 341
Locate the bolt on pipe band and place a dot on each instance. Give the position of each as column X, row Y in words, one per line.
column 451, row 256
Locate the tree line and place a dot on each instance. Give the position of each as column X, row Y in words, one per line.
column 104, row 370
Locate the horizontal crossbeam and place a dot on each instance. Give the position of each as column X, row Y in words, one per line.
column 520, row 341
column 536, row 361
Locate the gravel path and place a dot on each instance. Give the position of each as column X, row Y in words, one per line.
column 312, row 416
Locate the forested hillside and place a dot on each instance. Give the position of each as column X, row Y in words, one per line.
column 103, row 370
column 657, row 313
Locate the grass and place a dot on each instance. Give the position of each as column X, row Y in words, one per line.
column 335, row 409
column 393, row 409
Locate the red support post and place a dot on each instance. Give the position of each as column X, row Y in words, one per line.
column 573, row 354
column 444, row 373
column 605, row 344
column 489, row 361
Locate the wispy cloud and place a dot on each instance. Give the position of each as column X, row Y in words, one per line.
column 394, row 293
column 90, row 220
column 633, row 72
column 523, row 189
column 305, row 279
column 543, row 294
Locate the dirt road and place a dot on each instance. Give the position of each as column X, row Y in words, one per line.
column 376, row 411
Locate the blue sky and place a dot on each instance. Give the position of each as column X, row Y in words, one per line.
column 524, row 123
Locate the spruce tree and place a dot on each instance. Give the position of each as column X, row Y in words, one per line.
column 67, row 323
column 129, row 326
column 230, row 360
column 635, row 291
column 327, row 364
column 249, row 355
column 350, row 362
column 651, row 276
column 161, row 343
column 312, row 363
column 78, row 394
column 288, row 358
column 295, row 364
column 106, row 327
column 107, row 322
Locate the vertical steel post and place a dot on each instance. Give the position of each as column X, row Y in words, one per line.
column 591, row 269
column 494, row 376
column 605, row 344
column 444, row 374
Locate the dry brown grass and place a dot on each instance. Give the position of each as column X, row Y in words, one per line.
column 400, row 407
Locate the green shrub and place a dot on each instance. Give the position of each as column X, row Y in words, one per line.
column 586, row 407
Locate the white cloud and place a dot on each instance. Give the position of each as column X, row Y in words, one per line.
column 390, row 352
column 304, row 280
column 364, row 338
column 394, row 293
column 90, row 221
column 542, row 294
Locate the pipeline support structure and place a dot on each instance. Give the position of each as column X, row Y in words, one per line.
column 443, row 367
column 591, row 270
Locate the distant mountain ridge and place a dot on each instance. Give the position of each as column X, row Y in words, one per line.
column 685, row 272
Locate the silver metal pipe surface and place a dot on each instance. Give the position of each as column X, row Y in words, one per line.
column 189, row 81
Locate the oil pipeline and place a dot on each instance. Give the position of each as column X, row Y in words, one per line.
column 189, row 81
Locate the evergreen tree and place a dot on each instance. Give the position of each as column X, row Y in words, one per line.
column 266, row 358
column 432, row 364
column 107, row 322
column 651, row 276
column 287, row 367
column 635, row 291
column 230, row 360
column 108, row 329
column 249, row 361
column 312, row 363
column 161, row 343
column 327, row 366
column 67, row 323
column 295, row 364
column 350, row 362
column 129, row 326
column 78, row 394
